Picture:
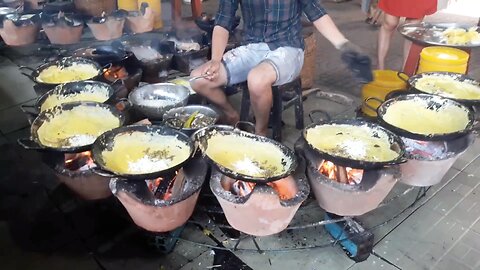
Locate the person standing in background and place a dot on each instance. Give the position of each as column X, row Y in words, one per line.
column 413, row 10
column 370, row 7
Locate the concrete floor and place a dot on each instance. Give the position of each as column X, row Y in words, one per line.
column 441, row 231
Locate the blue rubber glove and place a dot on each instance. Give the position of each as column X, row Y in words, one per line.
column 357, row 61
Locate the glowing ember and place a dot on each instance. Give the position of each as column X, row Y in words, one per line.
column 79, row 161
column 115, row 72
column 344, row 175
column 242, row 188
column 286, row 188
column 164, row 189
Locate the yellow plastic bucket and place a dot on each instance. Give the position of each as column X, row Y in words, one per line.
column 443, row 59
column 128, row 5
column 384, row 82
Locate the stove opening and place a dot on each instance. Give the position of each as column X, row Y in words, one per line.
column 167, row 187
column 242, row 188
column 286, row 188
column 344, row 175
column 426, row 149
column 115, row 72
column 79, row 161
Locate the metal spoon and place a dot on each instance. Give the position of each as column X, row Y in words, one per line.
column 197, row 77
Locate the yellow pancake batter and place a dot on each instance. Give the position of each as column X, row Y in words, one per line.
column 79, row 126
column 73, row 73
column 415, row 117
column 448, row 86
column 354, row 142
column 144, row 152
column 57, row 99
column 247, row 156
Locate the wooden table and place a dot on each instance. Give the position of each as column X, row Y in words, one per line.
column 177, row 8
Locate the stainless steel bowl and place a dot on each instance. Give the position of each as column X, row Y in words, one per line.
column 153, row 100
column 189, row 110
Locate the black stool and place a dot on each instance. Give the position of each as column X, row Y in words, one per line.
column 284, row 96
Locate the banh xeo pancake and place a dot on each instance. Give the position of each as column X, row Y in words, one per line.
column 247, row 156
column 89, row 93
column 73, row 73
column 144, row 152
column 461, row 36
column 416, row 117
column 353, row 142
column 448, row 86
column 79, row 126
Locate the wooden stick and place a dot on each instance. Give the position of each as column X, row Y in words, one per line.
column 342, row 176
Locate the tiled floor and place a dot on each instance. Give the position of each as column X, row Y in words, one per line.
column 441, row 231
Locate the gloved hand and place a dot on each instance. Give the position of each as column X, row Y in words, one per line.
column 357, row 61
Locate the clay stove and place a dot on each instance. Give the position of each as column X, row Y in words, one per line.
column 429, row 161
column 260, row 209
column 75, row 170
column 165, row 203
column 346, row 191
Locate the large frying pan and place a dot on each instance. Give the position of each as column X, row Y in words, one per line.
column 431, row 102
column 395, row 143
column 106, row 142
column 34, row 141
column 288, row 161
column 64, row 62
column 65, row 91
column 413, row 81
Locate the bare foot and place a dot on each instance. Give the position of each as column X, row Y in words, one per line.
column 261, row 131
column 230, row 119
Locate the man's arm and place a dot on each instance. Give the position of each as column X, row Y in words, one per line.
column 223, row 24
column 329, row 30
column 358, row 62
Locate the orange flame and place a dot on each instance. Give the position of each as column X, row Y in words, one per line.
column 153, row 185
column 115, row 72
column 243, row 188
column 330, row 170
column 79, row 161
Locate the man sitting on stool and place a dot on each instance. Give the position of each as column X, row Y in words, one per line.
column 272, row 54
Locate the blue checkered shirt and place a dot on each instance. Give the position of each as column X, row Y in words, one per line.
column 275, row 22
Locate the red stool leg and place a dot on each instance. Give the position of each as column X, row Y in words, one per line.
column 413, row 57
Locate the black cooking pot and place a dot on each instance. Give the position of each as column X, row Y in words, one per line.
column 431, row 102
column 72, row 88
column 289, row 160
column 64, row 62
column 395, row 142
column 107, row 54
column 412, row 82
column 34, row 143
column 106, row 142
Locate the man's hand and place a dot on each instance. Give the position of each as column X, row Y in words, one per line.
column 357, row 61
column 212, row 70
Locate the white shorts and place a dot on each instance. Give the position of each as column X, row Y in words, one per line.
column 287, row 62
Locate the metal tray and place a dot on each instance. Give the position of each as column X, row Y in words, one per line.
column 431, row 33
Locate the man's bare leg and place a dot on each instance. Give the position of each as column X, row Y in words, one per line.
column 260, row 81
column 212, row 89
